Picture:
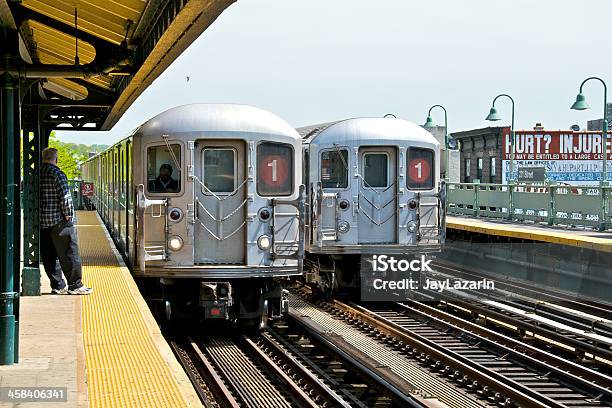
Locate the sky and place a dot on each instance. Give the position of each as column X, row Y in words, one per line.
column 320, row 60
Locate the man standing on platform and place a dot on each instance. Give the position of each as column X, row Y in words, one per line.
column 58, row 234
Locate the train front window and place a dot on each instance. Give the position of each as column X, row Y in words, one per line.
column 420, row 169
column 274, row 169
column 375, row 169
column 334, row 169
column 219, row 170
column 163, row 176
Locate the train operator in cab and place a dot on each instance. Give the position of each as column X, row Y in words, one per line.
column 164, row 183
column 58, row 239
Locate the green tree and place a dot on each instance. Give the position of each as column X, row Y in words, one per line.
column 68, row 158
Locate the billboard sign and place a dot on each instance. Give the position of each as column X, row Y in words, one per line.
column 531, row 174
column 567, row 156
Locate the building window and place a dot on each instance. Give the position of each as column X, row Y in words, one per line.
column 493, row 169
column 467, row 174
column 163, row 176
column 479, row 168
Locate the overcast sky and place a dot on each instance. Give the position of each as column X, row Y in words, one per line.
column 319, row 60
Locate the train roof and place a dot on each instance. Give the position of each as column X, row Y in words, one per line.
column 366, row 128
column 216, row 117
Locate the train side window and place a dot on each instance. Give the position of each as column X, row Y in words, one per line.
column 420, row 169
column 334, row 169
column 274, row 169
column 220, row 170
column 163, row 176
column 375, row 169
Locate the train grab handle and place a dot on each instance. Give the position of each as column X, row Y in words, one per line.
column 151, row 253
column 300, row 205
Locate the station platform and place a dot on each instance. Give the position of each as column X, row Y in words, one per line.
column 581, row 238
column 106, row 348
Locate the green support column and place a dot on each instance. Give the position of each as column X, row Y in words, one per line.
column 9, row 243
column 31, row 225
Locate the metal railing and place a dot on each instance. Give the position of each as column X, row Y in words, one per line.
column 77, row 194
column 551, row 204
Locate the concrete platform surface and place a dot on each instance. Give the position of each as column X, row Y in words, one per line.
column 106, row 348
column 582, row 238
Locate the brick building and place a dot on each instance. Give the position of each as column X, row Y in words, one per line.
column 480, row 154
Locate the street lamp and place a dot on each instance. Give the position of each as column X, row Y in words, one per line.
column 429, row 124
column 494, row 116
column 581, row 104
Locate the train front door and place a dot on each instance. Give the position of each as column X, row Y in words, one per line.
column 221, row 202
column 378, row 195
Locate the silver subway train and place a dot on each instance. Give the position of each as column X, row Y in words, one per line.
column 207, row 201
column 373, row 188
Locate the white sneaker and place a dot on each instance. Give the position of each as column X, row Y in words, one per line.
column 61, row 291
column 83, row 290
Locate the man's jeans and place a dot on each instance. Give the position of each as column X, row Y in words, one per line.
column 60, row 243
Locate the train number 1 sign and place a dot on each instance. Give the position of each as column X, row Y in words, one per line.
column 419, row 170
column 274, row 170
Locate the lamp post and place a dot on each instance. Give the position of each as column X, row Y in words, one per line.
column 429, row 124
column 494, row 116
column 581, row 104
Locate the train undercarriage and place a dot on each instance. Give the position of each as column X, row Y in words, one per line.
column 248, row 303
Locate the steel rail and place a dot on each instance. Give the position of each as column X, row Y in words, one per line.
column 303, row 399
column 359, row 360
column 320, row 388
column 511, row 389
column 590, row 306
column 178, row 352
column 223, row 394
column 573, row 372
column 571, row 340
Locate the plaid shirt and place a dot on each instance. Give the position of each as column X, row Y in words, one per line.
column 55, row 197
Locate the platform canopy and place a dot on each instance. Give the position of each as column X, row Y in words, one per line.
column 90, row 59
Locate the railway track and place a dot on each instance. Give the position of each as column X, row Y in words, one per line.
column 592, row 309
column 494, row 371
column 585, row 337
column 285, row 367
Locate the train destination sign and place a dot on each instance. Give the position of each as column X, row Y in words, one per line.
column 565, row 156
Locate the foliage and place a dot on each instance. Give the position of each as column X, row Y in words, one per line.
column 70, row 155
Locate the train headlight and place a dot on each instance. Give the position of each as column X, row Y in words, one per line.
column 344, row 205
column 264, row 242
column 175, row 214
column 175, row 243
column 412, row 227
column 412, row 204
column 343, row 227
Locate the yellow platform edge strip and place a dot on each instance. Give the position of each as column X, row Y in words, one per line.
column 125, row 365
column 554, row 237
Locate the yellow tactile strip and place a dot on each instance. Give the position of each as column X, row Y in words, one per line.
column 546, row 235
column 124, row 367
